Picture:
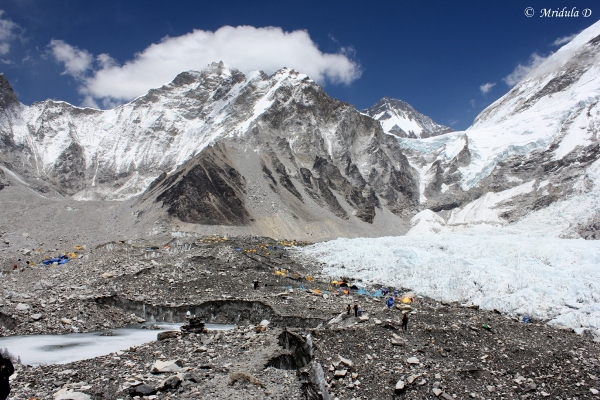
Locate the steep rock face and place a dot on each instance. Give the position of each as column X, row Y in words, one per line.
column 308, row 148
column 400, row 119
column 10, row 110
column 327, row 146
column 207, row 191
column 8, row 97
column 3, row 181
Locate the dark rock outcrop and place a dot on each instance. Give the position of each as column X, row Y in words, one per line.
column 209, row 192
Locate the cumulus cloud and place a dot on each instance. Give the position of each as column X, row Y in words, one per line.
column 246, row 48
column 563, row 40
column 486, row 87
column 9, row 31
column 522, row 70
column 88, row 101
column 75, row 61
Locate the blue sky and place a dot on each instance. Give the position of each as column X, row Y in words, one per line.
column 448, row 59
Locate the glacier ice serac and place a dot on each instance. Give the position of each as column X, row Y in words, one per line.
column 546, row 278
column 535, row 265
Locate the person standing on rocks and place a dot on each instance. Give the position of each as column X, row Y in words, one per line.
column 256, row 283
column 6, row 370
column 348, row 308
column 356, row 310
column 405, row 322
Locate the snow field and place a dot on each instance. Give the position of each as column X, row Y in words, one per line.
column 545, row 277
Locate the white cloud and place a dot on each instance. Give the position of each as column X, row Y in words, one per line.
column 521, row 71
column 106, row 61
column 75, row 61
column 244, row 47
column 9, row 31
column 89, row 101
column 486, row 87
column 563, row 40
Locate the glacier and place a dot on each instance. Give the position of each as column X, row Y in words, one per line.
column 537, row 265
column 548, row 278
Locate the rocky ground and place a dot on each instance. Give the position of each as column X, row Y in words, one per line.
column 449, row 350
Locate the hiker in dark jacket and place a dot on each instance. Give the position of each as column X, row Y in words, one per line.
column 405, row 322
column 6, row 370
column 356, row 309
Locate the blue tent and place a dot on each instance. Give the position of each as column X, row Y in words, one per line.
column 59, row 260
column 377, row 293
column 363, row 292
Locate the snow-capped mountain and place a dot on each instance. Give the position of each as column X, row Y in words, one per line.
column 218, row 147
column 535, row 146
column 400, row 119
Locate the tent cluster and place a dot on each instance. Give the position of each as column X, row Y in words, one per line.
column 295, row 276
column 267, row 248
column 63, row 258
column 263, row 248
column 291, row 243
column 213, row 239
column 343, row 285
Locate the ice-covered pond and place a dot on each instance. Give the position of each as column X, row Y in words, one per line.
column 62, row 349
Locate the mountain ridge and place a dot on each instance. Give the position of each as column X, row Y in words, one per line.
column 283, row 155
column 215, row 141
column 400, row 119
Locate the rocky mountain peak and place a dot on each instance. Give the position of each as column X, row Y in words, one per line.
column 400, row 119
column 8, row 97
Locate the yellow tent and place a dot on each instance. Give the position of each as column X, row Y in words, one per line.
column 408, row 298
